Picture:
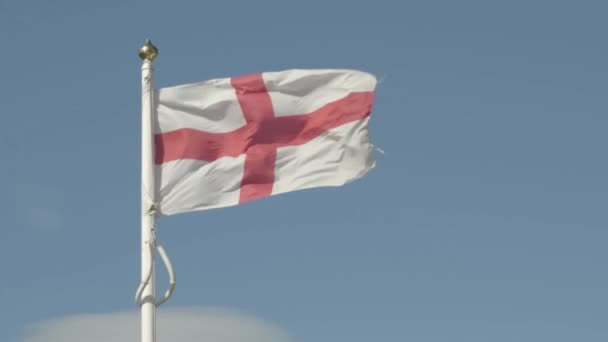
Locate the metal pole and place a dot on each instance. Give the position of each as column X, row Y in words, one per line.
column 148, row 192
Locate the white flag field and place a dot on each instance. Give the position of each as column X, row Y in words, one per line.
column 228, row 141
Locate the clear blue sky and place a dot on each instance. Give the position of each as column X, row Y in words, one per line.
column 484, row 221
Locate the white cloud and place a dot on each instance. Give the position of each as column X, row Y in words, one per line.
column 41, row 206
column 183, row 325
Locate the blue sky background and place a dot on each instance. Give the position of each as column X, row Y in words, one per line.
column 484, row 221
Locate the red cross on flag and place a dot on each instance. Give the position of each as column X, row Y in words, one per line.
column 227, row 141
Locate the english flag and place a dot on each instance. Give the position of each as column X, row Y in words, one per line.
column 228, row 141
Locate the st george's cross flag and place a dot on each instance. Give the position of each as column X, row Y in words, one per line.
column 228, row 141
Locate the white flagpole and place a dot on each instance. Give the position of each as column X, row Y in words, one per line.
column 148, row 194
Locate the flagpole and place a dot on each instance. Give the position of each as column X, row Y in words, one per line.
column 148, row 194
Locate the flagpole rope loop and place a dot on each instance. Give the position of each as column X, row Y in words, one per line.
column 143, row 284
column 152, row 247
column 167, row 262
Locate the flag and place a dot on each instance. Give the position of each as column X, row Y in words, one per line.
column 227, row 141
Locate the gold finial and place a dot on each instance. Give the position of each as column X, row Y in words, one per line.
column 148, row 52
